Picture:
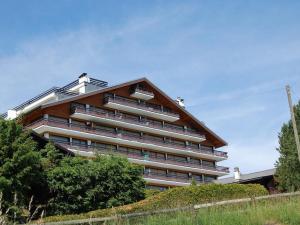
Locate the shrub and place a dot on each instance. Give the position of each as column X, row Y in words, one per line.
column 80, row 185
column 176, row 197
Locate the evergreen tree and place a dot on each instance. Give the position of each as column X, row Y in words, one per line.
column 21, row 172
column 288, row 166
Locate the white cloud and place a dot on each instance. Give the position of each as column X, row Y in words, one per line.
column 252, row 156
column 253, row 91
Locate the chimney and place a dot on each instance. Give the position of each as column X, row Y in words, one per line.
column 11, row 114
column 83, row 78
column 237, row 173
column 180, row 101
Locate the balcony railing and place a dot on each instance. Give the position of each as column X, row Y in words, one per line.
column 126, row 136
column 109, row 150
column 141, row 105
column 119, row 117
column 168, row 177
column 143, row 91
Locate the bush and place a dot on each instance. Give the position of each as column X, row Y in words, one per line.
column 80, row 185
column 176, row 197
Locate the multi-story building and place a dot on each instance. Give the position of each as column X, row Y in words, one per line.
column 134, row 119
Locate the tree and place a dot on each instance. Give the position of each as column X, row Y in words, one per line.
column 21, row 172
column 62, row 184
column 79, row 185
column 288, row 166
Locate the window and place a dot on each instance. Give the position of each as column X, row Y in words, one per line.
column 129, row 100
column 104, row 146
column 153, row 138
column 192, row 129
column 77, row 105
column 104, row 128
column 100, row 110
column 178, row 175
column 177, row 158
column 155, row 155
column 206, row 148
column 80, row 123
column 131, row 133
column 134, row 151
column 195, row 161
column 129, row 117
column 150, row 122
column 209, row 178
column 208, row 163
column 78, row 142
column 197, row 177
column 158, row 172
column 167, row 109
column 60, row 139
column 153, row 106
column 175, row 142
column 173, row 126
column 58, row 119
column 194, row 145
column 147, row 170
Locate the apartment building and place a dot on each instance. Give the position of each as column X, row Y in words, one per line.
column 134, row 119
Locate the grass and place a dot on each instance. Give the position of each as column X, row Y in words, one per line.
column 282, row 211
column 173, row 198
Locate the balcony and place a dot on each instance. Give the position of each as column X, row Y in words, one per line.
column 164, row 179
column 86, row 132
column 140, row 108
column 142, row 94
column 91, row 150
column 109, row 118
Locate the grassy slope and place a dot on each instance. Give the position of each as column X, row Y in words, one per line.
column 283, row 211
column 176, row 197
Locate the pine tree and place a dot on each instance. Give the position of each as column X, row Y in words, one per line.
column 288, row 165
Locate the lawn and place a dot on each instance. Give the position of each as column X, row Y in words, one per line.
column 282, row 211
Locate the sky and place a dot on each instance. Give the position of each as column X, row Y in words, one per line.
column 229, row 60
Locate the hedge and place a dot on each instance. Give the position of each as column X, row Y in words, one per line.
column 175, row 197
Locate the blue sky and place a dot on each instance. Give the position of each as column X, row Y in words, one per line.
column 229, row 60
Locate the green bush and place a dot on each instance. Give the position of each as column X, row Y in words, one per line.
column 176, row 197
column 79, row 185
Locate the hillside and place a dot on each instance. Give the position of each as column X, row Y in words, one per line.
column 173, row 198
column 282, row 211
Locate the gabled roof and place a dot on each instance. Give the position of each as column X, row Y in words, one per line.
column 219, row 142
